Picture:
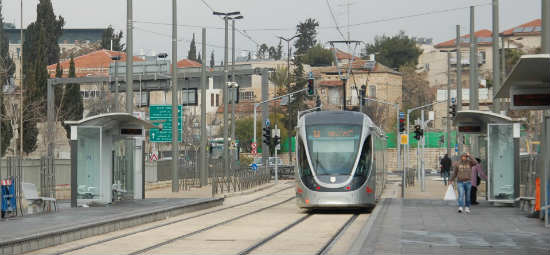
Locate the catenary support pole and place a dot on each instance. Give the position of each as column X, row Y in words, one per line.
column 203, row 162
column 458, row 81
column 225, row 101
column 265, row 112
column 175, row 173
column 448, row 138
column 422, row 140
column 116, row 88
column 474, row 79
column 496, row 56
column 130, row 58
column 233, row 93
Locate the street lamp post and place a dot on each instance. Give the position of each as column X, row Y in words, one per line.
column 226, row 17
column 287, row 40
column 235, row 90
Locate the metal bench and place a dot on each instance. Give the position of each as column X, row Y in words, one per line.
column 30, row 194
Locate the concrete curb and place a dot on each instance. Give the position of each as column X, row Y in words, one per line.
column 366, row 229
column 50, row 238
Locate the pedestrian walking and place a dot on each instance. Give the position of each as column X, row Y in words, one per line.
column 477, row 175
column 462, row 172
column 446, row 164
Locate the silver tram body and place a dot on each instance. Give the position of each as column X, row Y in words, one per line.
column 340, row 160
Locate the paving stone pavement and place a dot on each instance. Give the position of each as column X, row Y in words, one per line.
column 424, row 226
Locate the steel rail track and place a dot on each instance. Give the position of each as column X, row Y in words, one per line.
column 169, row 223
column 209, row 227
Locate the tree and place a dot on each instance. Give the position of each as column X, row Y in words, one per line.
column 395, row 51
column 212, row 61
column 300, row 82
column 72, row 107
column 279, row 54
column 199, row 58
column 7, row 68
column 192, row 53
column 40, row 49
column 249, row 57
column 416, row 88
column 272, row 52
column 308, row 34
column 262, row 51
column 318, row 56
column 280, row 78
column 110, row 35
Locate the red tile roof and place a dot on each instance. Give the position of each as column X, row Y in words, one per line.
column 188, row 63
column 533, row 23
column 484, row 33
column 92, row 64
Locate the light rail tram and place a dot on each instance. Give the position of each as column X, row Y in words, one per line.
column 340, row 160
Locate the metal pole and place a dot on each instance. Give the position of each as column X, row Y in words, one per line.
column 344, row 81
column 233, row 95
column 116, row 86
column 406, row 164
column 474, row 79
column 203, row 173
column 51, row 116
column 496, row 58
column 289, row 104
column 130, row 58
column 397, row 138
column 458, row 80
column 276, row 159
column 422, row 152
column 21, row 80
column 225, row 100
column 448, row 103
column 175, row 177
column 265, row 112
column 545, row 42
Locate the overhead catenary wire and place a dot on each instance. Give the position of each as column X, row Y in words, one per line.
column 179, row 40
column 334, row 20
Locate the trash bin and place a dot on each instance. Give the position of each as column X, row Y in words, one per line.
column 8, row 197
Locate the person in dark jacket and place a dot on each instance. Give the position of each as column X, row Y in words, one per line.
column 446, row 164
column 477, row 174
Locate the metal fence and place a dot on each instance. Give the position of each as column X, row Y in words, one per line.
column 527, row 172
column 239, row 177
column 14, row 171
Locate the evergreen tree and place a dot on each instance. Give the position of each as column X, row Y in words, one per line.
column 110, row 35
column 308, row 34
column 40, row 49
column 212, row 61
column 395, row 51
column 73, row 107
column 249, row 56
column 192, row 54
column 199, row 58
column 279, row 54
column 299, row 83
column 7, row 68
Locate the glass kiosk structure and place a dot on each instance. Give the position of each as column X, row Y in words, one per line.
column 498, row 150
column 108, row 164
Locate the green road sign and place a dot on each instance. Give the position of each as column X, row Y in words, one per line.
column 162, row 115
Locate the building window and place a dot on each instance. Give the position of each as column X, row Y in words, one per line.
column 212, row 100
column 217, row 99
column 247, row 96
column 372, row 91
column 482, row 57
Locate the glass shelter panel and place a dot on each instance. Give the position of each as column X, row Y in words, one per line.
column 123, row 169
column 89, row 162
column 501, row 162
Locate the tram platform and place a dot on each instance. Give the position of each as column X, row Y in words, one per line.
column 428, row 225
column 23, row 234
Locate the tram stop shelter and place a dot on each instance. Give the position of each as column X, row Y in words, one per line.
column 107, row 159
column 528, row 88
column 498, row 148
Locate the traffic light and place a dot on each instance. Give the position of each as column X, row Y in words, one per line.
column 363, row 91
column 310, row 87
column 442, row 139
column 452, row 110
column 318, row 101
column 418, row 132
column 267, row 135
column 276, row 140
column 401, row 125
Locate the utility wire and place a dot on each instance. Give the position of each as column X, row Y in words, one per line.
column 334, row 20
column 179, row 40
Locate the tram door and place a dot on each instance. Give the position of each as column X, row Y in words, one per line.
column 123, row 169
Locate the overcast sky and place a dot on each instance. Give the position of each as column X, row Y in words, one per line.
column 265, row 20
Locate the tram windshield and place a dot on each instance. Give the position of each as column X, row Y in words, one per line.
column 333, row 148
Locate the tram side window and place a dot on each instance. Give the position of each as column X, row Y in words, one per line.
column 365, row 159
column 302, row 157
